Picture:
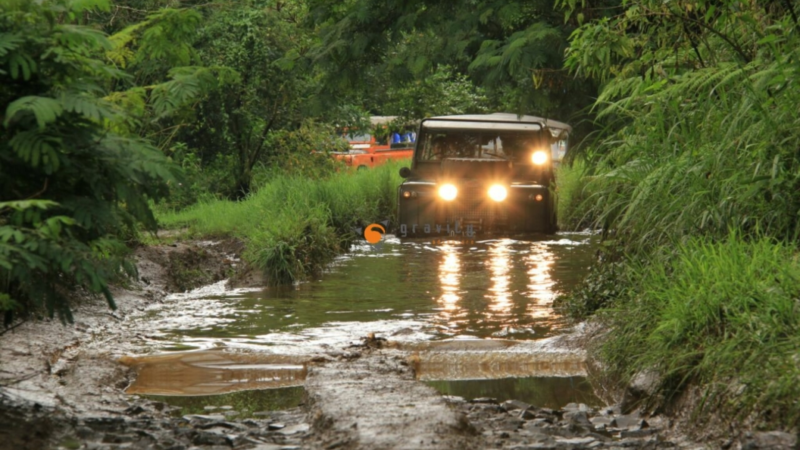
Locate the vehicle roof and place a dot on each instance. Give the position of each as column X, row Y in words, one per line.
column 381, row 120
column 505, row 118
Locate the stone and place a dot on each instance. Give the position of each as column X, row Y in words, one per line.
column 638, row 433
column 527, row 414
column 209, row 407
column 117, row 438
column 512, row 405
column 202, row 417
column 579, row 418
column 209, row 438
column 226, row 407
column 603, row 421
column 510, row 424
column 575, row 441
column 643, row 385
column 629, row 421
column 487, row 400
column 294, row 429
column 276, row 426
column 770, row 440
column 454, row 399
column 84, row 432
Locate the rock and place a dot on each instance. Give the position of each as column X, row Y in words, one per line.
column 105, row 423
column 527, row 414
column 637, row 433
column 643, row 385
column 575, row 441
column 579, row 418
column 629, row 421
column 202, row 417
column 294, row 429
column 118, row 438
column 571, row 407
column 510, row 424
column 454, row 399
column 210, row 438
column 512, row 405
column 210, row 407
column 774, row 440
column 276, row 426
column 84, row 432
column 226, row 407
column 487, row 400
column 602, row 421
column 134, row 410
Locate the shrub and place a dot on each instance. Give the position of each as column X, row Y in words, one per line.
column 723, row 314
column 68, row 184
column 294, row 225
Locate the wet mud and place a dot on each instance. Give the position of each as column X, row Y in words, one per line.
column 471, row 357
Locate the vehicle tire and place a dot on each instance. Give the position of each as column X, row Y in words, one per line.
column 361, row 167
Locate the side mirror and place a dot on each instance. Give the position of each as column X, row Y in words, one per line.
column 405, row 172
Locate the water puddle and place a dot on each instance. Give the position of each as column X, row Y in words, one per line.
column 407, row 291
column 465, row 312
column 544, row 392
column 213, row 372
column 239, row 405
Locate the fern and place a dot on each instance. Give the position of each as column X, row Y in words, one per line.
column 44, row 109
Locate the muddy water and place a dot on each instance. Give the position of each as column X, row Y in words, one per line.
column 410, row 291
column 495, row 288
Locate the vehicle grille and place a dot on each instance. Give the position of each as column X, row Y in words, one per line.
column 472, row 205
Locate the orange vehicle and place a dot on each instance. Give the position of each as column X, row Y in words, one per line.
column 368, row 151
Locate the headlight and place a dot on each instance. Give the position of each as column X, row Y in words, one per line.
column 539, row 157
column 498, row 193
column 448, row 192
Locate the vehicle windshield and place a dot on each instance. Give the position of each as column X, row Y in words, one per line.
column 437, row 145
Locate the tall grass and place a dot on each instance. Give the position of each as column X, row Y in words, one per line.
column 571, row 180
column 725, row 315
column 293, row 226
column 701, row 138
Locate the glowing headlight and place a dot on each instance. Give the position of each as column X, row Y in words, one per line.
column 498, row 193
column 448, row 192
column 539, row 157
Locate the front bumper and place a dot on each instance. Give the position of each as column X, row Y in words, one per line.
column 528, row 208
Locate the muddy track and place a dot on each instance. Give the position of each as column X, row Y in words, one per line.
column 64, row 387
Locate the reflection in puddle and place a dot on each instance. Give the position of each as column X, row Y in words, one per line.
column 499, row 293
column 412, row 292
column 239, row 404
column 494, row 288
column 487, row 359
column 544, row 392
column 449, row 278
column 210, row 372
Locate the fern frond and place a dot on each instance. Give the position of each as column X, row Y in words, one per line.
column 44, row 109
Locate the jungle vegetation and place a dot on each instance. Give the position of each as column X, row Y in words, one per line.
column 118, row 117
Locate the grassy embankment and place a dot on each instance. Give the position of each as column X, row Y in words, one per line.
column 292, row 226
column 700, row 278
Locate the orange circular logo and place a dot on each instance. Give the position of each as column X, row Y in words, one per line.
column 374, row 233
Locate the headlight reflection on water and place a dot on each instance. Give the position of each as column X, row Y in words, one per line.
column 540, row 281
column 500, row 267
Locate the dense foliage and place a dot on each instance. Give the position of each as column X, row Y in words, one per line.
column 71, row 187
column 293, row 226
column 694, row 180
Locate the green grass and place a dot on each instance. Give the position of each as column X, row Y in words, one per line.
column 571, row 182
column 293, row 226
column 723, row 315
